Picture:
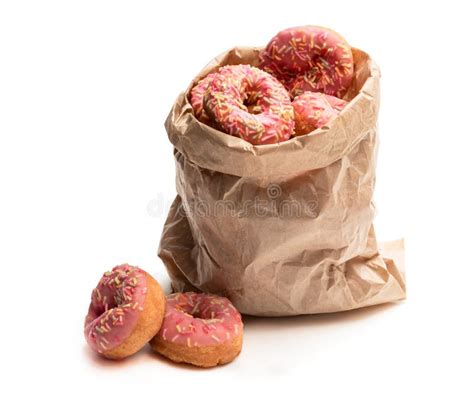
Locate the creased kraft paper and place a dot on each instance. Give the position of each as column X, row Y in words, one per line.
column 281, row 229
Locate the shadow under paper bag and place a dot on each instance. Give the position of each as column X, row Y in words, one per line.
column 283, row 229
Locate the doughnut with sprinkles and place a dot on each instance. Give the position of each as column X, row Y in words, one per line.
column 249, row 103
column 200, row 329
column 126, row 310
column 309, row 58
column 314, row 110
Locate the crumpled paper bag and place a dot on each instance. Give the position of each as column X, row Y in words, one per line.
column 282, row 229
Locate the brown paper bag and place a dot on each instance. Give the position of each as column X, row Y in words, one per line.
column 281, row 229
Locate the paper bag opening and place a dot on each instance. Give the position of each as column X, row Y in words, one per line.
column 281, row 229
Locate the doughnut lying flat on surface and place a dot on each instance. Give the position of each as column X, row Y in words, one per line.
column 126, row 311
column 249, row 103
column 200, row 329
column 314, row 110
column 310, row 58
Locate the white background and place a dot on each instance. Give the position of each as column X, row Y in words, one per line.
column 87, row 174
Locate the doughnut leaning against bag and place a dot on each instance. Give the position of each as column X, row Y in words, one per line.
column 280, row 229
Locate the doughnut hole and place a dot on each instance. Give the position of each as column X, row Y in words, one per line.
column 252, row 101
column 202, row 311
column 111, row 297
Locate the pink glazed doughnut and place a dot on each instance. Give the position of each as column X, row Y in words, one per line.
column 200, row 329
column 249, row 103
column 127, row 309
column 310, row 58
column 313, row 110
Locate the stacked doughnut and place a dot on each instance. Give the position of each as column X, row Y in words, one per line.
column 128, row 310
column 302, row 75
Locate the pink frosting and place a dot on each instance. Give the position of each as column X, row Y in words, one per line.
column 313, row 110
column 197, row 98
column 199, row 319
column 309, row 58
column 335, row 102
column 116, row 304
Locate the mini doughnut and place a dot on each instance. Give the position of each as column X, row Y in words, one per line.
column 200, row 329
column 309, row 58
column 197, row 96
column 314, row 110
column 126, row 311
column 249, row 103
